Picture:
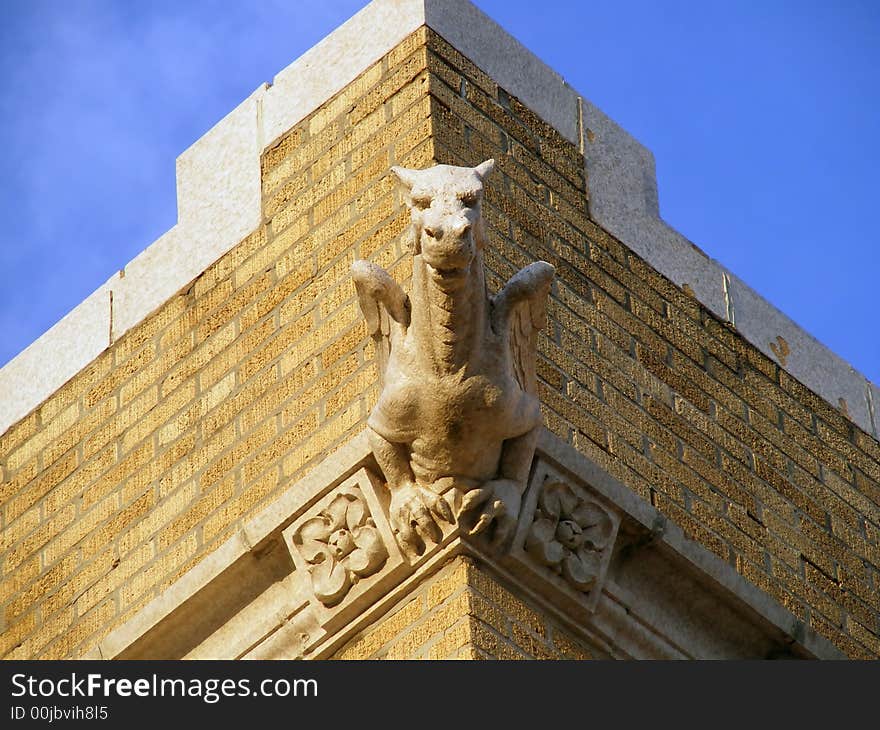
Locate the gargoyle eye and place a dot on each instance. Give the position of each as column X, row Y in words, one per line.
column 421, row 203
column 469, row 199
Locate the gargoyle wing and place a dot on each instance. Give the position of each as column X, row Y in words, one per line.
column 385, row 306
column 521, row 308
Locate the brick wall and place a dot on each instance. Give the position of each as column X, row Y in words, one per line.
column 463, row 612
column 145, row 461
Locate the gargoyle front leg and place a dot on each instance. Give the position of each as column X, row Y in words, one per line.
column 500, row 499
column 414, row 510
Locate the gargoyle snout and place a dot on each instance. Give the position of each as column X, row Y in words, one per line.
column 457, row 232
column 448, row 244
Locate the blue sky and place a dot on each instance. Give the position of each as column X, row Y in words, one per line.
column 764, row 118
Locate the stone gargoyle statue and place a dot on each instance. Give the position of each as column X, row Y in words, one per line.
column 455, row 425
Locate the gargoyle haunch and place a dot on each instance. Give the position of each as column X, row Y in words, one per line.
column 455, row 426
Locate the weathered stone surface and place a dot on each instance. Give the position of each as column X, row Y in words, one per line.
column 570, row 534
column 345, row 546
column 455, row 425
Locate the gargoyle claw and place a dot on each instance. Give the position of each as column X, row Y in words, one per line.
column 498, row 501
column 414, row 514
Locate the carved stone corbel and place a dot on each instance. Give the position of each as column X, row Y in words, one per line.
column 346, row 547
column 566, row 534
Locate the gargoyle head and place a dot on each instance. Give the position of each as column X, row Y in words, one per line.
column 444, row 203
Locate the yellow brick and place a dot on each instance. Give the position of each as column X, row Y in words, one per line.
column 343, row 194
column 413, row 138
column 408, row 45
column 398, row 77
column 276, row 345
column 28, row 451
column 76, row 582
column 94, row 622
column 41, row 485
column 120, row 571
column 293, row 187
column 120, row 373
column 148, row 579
column 360, row 648
column 487, row 641
column 79, row 430
column 425, row 155
column 182, row 450
column 161, row 414
column 36, row 539
column 488, row 613
column 281, row 149
column 452, row 641
column 438, row 620
column 14, row 635
column 18, row 433
column 113, row 478
column 396, row 623
column 328, row 113
column 368, row 198
column 508, row 603
column 530, row 645
column 49, row 630
column 15, row 484
column 348, row 342
column 165, row 510
column 47, row 581
column 27, row 572
column 339, row 427
column 568, row 648
column 386, row 236
column 121, row 421
column 56, row 549
column 118, row 524
column 444, row 50
column 468, row 653
column 23, row 525
column 206, row 505
column 298, row 458
column 170, row 356
column 318, row 141
column 450, row 580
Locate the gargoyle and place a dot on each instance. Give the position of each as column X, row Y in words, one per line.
column 455, row 426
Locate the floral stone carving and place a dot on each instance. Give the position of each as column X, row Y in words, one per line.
column 570, row 535
column 455, row 426
column 341, row 545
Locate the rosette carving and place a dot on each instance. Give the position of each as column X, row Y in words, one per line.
column 570, row 534
column 341, row 545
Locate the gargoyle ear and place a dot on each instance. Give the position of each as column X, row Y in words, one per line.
column 484, row 168
column 405, row 176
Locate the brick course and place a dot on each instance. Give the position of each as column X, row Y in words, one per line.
column 463, row 612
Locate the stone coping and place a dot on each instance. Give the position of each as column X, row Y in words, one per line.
column 218, row 197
